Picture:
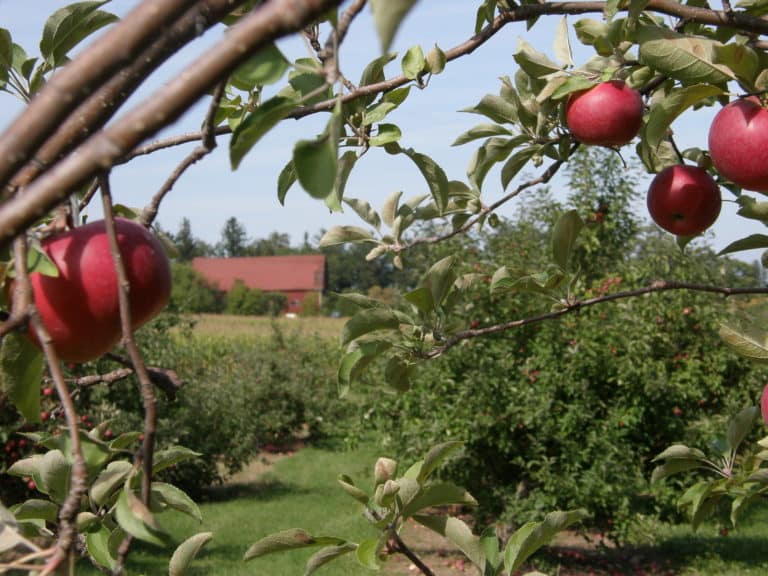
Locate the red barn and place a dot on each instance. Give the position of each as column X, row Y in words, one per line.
column 301, row 278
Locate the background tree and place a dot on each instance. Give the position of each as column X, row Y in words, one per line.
column 234, row 239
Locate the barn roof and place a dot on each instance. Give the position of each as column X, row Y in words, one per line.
column 268, row 273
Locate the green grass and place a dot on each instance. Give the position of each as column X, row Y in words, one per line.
column 297, row 492
column 227, row 325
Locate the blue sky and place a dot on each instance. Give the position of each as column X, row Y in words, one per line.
column 210, row 192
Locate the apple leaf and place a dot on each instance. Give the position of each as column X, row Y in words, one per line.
column 6, row 55
column 533, row 62
column 267, row 66
column 533, row 535
column 21, row 369
column 436, row 60
column 664, row 111
column 186, row 552
column 66, row 27
column 436, row 456
column 136, row 519
column 387, row 16
column 495, row 108
column 345, row 234
column 687, row 58
column 367, row 553
column 564, row 236
column 168, row 496
column 458, row 533
column 413, row 62
column 285, row 180
column 749, row 243
column 255, row 125
column 481, row 131
column 97, row 544
column 740, row 425
column 367, row 321
column 365, row 211
column 563, row 44
column 752, row 344
column 387, row 133
column 328, row 554
column 291, row 539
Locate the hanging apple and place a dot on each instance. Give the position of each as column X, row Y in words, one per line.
column 80, row 307
column 609, row 114
column 684, row 200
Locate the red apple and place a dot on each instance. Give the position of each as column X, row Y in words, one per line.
column 738, row 143
column 684, row 200
column 80, row 307
column 610, row 114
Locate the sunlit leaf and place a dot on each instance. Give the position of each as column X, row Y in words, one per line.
column 533, row 535
column 290, row 539
column 344, row 235
column 326, row 555
column 665, row 110
column 136, row 519
column 413, row 62
column 752, row 343
column 186, row 552
column 435, row 60
column 563, row 44
column 458, row 533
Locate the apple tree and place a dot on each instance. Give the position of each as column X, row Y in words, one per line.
column 653, row 61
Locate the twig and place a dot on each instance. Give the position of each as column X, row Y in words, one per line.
column 83, row 75
column 207, row 146
column 147, row 390
column 164, row 378
column 575, row 306
column 401, row 547
column 23, row 302
column 545, row 177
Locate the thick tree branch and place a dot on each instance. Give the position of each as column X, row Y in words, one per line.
column 265, row 24
column 164, row 378
column 81, row 77
column 97, row 109
column 576, row 305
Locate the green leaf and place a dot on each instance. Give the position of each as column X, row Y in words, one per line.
column 495, row 108
column 674, row 466
column 345, row 234
column 365, row 211
column 751, row 208
column 564, row 236
column 533, row 62
column 21, row 369
column 170, row 456
column 186, row 552
column 387, row 16
column 752, row 343
column 68, row 26
column 481, row 131
column 109, row 480
column 741, row 59
column 136, row 519
column 390, row 207
column 97, row 544
column 533, row 535
column 387, row 133
column 438, row 494
column 572, row 84
column 354, row 362
column 36, row 509
column 255, row 125
column 680, row 451
column 664, row 111
column 367, row 321
column 434, row 175
column 439, row 279
column 413, row 62
column 367, row 553
column 489, row 542
column 740, row 425
column 348, row 485
column 326, row 555
column 346, row 163
column 749, row 243
column 378, row 112
column 436, row 60
column 167, row 495
column 267, row 66
column 291, row 539
column 459, row 534
column 373, row 74
column 516, row 163
column 316, row 161
column 286, row 179
column 6, row 55
column 308, row 83
column 687, row 58
column 436, row 456
column 492, row 151
column 563, row 44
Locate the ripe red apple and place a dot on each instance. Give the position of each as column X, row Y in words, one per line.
column 610, row 114
column 80, row 307
column 738, row 143
column 684, row 200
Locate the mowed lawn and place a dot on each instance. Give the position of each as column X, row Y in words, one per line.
column 229, row 325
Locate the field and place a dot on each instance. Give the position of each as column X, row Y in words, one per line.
column 227, row 325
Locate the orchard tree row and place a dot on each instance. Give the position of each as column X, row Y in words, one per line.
column 75, row 291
